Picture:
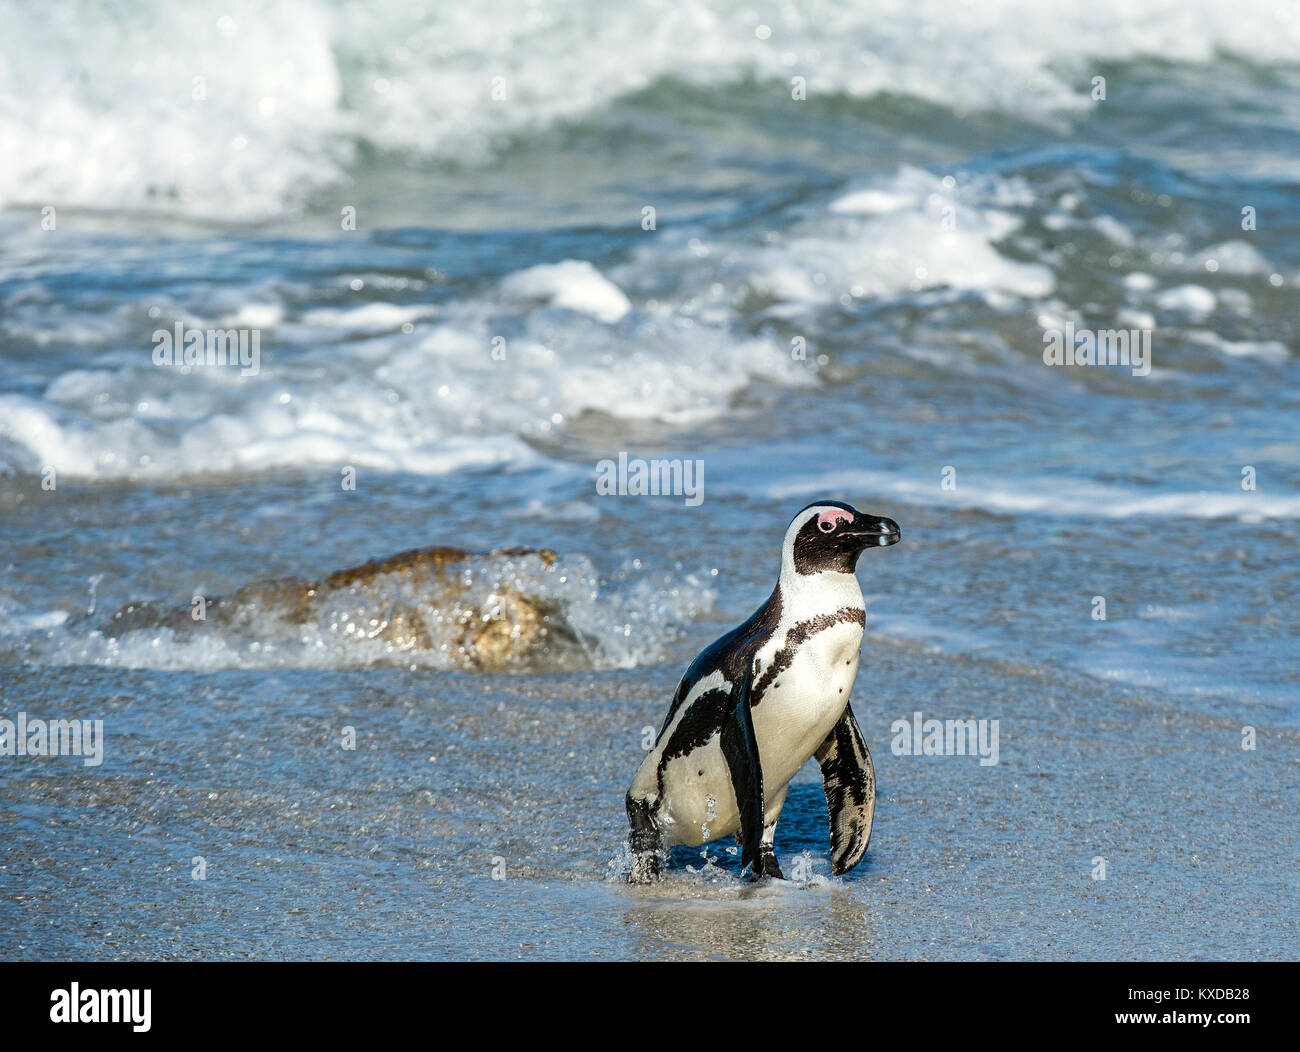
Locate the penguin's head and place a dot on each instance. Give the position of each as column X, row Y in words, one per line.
column 829, row 536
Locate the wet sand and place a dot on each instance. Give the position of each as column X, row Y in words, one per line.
column 389, row 851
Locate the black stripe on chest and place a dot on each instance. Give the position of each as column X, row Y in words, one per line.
column 730, row 654
column 700, row 722
column 796, row 637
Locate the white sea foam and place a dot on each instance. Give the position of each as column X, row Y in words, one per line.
column 909, row 232
column 1048, row 496
column 1233, row 257
column 631, row 620
column 1267, row 350
column 1195, row 301
column 574, row 285
column 1139, row 281
column 394, row 388
column 15, row 621
column 366, row 319
column 292, row 89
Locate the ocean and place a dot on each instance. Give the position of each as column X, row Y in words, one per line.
column 1021, row 278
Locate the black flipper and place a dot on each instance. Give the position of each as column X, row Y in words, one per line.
column 740, row 748
column 850, row 783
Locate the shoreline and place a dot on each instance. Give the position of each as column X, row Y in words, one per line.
column 335, row 855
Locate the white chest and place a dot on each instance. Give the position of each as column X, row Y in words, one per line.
column 805, row 686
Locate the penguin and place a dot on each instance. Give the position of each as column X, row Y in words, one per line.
column 758, row 702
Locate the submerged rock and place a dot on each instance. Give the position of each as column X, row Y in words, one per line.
column 481, row 611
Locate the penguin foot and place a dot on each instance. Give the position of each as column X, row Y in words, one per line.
column 767, row 867
column 644, row 841
column 645, row 869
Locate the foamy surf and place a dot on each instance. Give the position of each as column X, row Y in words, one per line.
column 1048, row 496
column 268, row 105
column 471, row 385
column 512, row 611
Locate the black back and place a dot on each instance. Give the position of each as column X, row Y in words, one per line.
column 732, row 655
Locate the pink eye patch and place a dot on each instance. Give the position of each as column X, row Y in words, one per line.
column 826, row 520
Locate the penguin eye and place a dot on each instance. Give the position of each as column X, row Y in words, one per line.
column 827, row 526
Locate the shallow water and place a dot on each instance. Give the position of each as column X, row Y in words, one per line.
column 313, row 851
column 845, row 297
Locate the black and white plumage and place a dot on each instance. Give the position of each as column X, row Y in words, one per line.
column 757, row 703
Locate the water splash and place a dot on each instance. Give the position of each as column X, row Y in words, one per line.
column 511, row 610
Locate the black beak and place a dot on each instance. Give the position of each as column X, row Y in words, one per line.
column 874, row 531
